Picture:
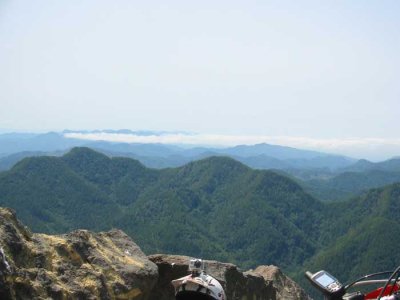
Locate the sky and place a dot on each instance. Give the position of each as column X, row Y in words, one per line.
column 312, row 74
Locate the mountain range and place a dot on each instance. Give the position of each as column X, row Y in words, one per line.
column 199, row 200
column 213, row 208
column 326, row 177
column 260, row 156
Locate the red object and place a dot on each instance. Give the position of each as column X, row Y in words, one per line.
column 374, row 294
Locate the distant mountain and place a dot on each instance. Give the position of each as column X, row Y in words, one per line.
column 122, row 131
column 391, row 165
column 8, row 161
column 360, row 166
column 326, row 177
column 339, row 184
column 263, row 161
column 331, row 162
column 275, row 151
column 260, row 156
column 282, row 157
column 16, row 136
column 20, row 142
column 143, row 150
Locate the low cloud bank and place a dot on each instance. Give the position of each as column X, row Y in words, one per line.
column 369, row 148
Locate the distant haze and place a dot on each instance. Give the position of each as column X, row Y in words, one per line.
column 372, row 149
column 321, row 75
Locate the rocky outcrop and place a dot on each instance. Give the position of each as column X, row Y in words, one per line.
column 285, row 287
column 78, row 265
column 109, row 265
column 265, row 283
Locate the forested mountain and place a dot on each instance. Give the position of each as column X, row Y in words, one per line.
column 49, row 195
column 324, row 184
column 8, row 161
column 360, row 236
column 213, row 208
column 350, row 184
column 216, row 207
column 326, row 177
column 390, row 165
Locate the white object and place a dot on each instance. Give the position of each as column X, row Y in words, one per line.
column 203, row 284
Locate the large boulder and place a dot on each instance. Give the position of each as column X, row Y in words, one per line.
column 237, row 285
column 78, row 265
column 286, row 288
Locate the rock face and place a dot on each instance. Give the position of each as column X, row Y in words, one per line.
column 109, row 265
column 78, row 265
column 285, row 287
column 265, row 283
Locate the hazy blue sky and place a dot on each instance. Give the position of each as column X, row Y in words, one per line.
column 320, row 70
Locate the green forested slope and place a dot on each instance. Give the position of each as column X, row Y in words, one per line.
column 50, row 197
column 361, row 235
column 253, row 215
column 214, row 208
column 350, row 184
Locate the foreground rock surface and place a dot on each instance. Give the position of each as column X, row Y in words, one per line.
column 109, row 265
column 285, row 287
column 265, row 283
column 78, row 265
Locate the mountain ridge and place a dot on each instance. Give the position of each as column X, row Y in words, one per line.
column 146, row 200
column 216, row 207
column 171, row 155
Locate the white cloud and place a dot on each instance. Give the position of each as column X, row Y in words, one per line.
column 370, row 148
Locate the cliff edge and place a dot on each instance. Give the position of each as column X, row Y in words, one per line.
column 109, row 265
column 78, row 265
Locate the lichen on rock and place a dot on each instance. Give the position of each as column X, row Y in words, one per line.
column 77, row 265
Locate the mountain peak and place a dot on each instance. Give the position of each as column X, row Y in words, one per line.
column 218, row 163
column 84, row 153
